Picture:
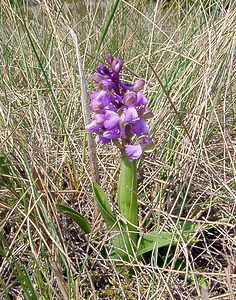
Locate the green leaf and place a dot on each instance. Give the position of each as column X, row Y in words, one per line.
column 165, row 238
column 189, row 227
column 75, row 216
column 127, row 195
column 121, row 241
column 155, row 239
column 104, row 206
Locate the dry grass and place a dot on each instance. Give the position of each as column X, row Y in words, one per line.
column 187, row 56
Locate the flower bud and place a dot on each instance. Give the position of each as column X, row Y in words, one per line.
column 109, row 58
column 103, row 69
column 116, row 65
column 130, row 99
column 107, row 85
column 98, row 77
column 147, row 113
column 138, row 85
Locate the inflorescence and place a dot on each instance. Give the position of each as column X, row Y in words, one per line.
column 119, row 110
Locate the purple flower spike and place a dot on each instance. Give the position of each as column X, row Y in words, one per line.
column 119, row 110
column 133, row 151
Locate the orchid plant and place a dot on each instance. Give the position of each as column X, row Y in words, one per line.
column 119, row 115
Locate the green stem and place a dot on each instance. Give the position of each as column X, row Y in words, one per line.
column 127, row 195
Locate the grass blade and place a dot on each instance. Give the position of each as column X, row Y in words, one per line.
column 107, row 25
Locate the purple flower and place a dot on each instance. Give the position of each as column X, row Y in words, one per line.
column 109, row 58
column 138, row 85
column 103, row 69
column 140, row 127
column 130, row 99
column 112, row 120
column 116, row 65
column 100, row 99
column 108, row 85
column 141, row 99
column 133, row 151
column 111, row 134
column 119, row 110
column 102, row 139
column 130, row 114
column 98, row 77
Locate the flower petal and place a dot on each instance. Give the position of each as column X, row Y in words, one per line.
column 138, row 85
column 97, row 77
column 93, row 126
column 130, row 99
column 112, row 120
column 141, row 99
column 101, row 139
column 130, row 115
column 140, row 127
column 99, row 118
column 109, row 58
column 111, row 134
column 107, row 85
column 146, row 143
column 116, row 65
column 102, row 69
column 133, row 151
column 100, row 99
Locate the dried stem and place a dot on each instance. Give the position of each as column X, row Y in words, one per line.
column 86, row 116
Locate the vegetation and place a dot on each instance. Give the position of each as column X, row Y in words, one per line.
column 185, row 51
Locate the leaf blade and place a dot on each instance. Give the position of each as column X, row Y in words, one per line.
column 121, row 241
column 155, row 239
column 104, row 205
column 75, row 216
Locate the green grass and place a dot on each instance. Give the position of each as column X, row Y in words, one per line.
column 185, row 50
